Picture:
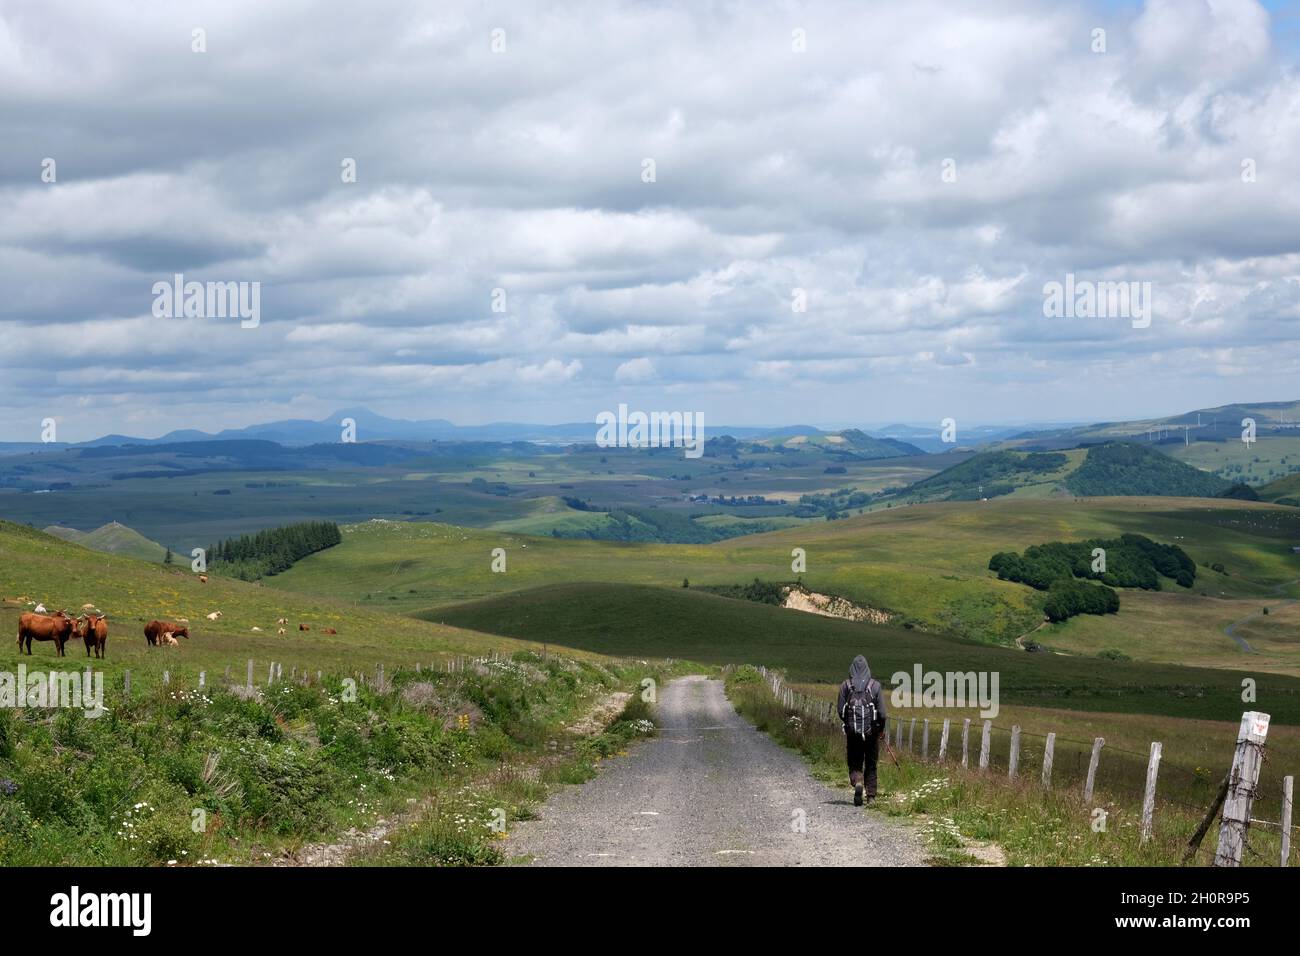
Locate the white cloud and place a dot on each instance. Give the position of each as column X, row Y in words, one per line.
column 521, row 172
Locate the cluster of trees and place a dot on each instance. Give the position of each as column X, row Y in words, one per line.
column 1131, row 561
column 1242, row 492
column 252, row 556
column 764, row 592
column 577, row 504
column 1069, row 596
column 835, row 505
column 1124, row 468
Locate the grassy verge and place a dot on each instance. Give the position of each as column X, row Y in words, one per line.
column 175, row 774
column 468, row 819
column 959, row 810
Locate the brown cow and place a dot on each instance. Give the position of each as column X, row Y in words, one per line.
column 154, row 630
column 330, row 630
column 304, row 627
column 56, row 627
column 94, row 631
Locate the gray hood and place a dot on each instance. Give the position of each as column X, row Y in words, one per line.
column 859, row 672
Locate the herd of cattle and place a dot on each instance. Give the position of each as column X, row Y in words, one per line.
column 91, row 627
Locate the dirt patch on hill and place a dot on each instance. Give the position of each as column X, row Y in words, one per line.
column 827, row 605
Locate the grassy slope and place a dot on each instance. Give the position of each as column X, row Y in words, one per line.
column 681, row 623
column 928, row 563
column 45, row 569
column 113, row 538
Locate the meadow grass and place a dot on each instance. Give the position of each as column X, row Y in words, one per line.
column 926, row 564
column 180, row 775
column 692, row 625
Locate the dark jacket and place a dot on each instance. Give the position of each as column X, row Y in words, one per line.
column 859, row 678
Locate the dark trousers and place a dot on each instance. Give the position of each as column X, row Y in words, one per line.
column 862, row 756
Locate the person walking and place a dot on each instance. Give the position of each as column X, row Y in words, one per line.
column 862, row 709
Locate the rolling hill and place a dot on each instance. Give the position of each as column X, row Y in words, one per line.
column 113, row 538
column 1220, row 423
column 1106, row 470
column 684, row 623
column 926, row 565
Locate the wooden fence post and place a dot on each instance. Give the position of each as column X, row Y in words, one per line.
column 925, row 739
column 943, row 740
column 1013, row 764
column 911, row 733
column 227, row 673
column 126, row 683
column 1097, row 744
column 203, row 679
column 1149, row 797
column 1246, row 763
column 167, row 678
column 984, row 745
column 1049, row 753
column 249, row 683
column 1288, row 791
column 965, row 743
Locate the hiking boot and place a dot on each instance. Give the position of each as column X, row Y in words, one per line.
column 857, row 796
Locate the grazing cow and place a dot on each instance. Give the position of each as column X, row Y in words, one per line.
column 87, row 607
column 154, row 631
column 330, row 630
column 57, row 627
column 203, row 579
column 304, row 627
column 283, row 620
column 40, row 609
column 94, row 631
column 280, row 632
column 214, row 616
column 256, row 628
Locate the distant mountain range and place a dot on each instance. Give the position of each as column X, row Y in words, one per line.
column 1221, row 423
column 1207, row 424
column 373, row 427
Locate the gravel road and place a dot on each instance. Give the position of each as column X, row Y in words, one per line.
column 710, row 790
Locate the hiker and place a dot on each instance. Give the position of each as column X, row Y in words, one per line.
column 862, row 708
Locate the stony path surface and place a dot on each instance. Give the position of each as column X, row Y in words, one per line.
column 710, row 790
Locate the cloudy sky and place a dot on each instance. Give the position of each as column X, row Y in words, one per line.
column 920, row 170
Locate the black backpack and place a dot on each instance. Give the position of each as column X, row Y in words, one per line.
column 859, row 713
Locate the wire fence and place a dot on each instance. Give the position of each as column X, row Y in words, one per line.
column 1124, row 775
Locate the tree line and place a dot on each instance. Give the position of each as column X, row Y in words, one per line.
column 273, row 550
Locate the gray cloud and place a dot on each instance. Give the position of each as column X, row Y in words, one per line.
column 776, row 171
